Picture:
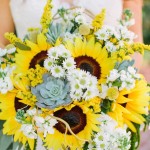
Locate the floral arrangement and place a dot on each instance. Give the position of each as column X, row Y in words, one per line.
column 73, row 84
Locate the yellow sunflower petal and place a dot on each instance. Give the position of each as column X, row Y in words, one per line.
column 132, row 118
column 41, row 40
column 33, row 46
column 121, row 99
column 31, row 143
column 137, row 108
column 78, row 48
column 130, row 125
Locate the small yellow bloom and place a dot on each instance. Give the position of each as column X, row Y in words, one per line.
column 112, row 93
column 84, row 29
column 113, row 40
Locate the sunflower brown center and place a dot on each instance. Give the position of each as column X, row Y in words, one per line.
column 88, row 64
column 19, row 105
column 124, row 104
column 74, row 117
column 126, row 95
column 38, row 59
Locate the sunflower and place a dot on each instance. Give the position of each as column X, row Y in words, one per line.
column 37, row 54
column 91, row 57
column 82, row 121
column 131, row 105
column 9, row 104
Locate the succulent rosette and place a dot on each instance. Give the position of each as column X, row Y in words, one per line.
column 73, row 84
column 52, row 92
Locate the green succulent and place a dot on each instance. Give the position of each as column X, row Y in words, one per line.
column 57, row 30
column 52, row 93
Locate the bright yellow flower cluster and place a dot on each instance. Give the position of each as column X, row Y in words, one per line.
column 27, row 97
column 99, row 20
column 35, row 75
column 12, row 38
column 47, row 16
column 129, row 49
column 140, row 47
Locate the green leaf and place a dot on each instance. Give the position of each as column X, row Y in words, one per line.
column 1, row 124
column 135, row 137
column 124, row 65
column 22, row 46
column 85, row 147
column 5, row 141
column 16, row 146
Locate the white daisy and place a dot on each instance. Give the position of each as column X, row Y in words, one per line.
column 75, row 86
column 53, row 53
column 76, row 95
column 69, row 64
column 83, row 82
column 57, row 71
column 48, row 63
column 63, row 52
column 102, row 35
column 90, row 93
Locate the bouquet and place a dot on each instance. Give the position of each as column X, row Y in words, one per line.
column 73, row 85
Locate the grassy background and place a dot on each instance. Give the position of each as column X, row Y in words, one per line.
column 146, row 27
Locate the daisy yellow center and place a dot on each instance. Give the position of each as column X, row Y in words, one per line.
column 74, row 117
column 38, row 59
column 88, row 64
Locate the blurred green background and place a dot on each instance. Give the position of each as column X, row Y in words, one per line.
column 146, row 27
column 146, row 21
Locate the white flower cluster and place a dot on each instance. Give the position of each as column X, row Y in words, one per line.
column 5, row 55
column 59, row 61
column 5, row 80
column 76, row 15
column 3, row 52
column 125, row 34
column 83, row 85
column 61, row 64
column 127, row 78
column 119, row 34
column 45, row 125
column 41, row 125
column 119, row 80
column 29, row 131
column 110, row 136
column 71, row 37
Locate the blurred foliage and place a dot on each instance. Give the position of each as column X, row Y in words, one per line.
column 146, row 27
column 146, row 21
